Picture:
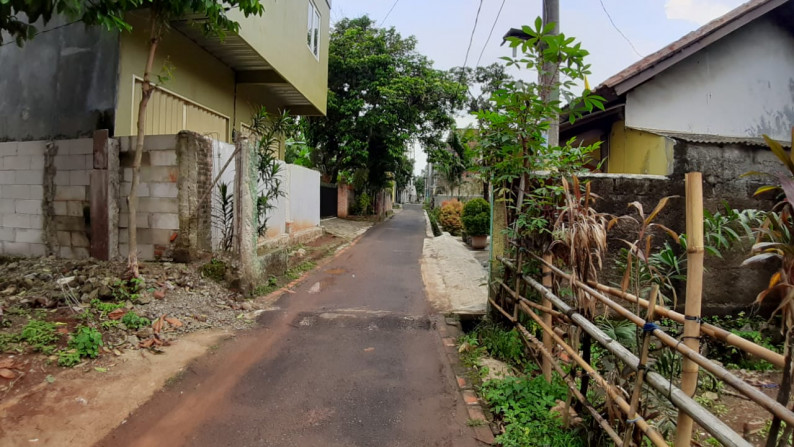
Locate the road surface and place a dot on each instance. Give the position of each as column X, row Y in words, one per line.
column 352, row 358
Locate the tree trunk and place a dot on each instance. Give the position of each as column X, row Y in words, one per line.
column 132, row 200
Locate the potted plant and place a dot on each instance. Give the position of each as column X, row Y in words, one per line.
column 477, row 222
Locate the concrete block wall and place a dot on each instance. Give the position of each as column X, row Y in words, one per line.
column 44, row 197
column 157, row 216
column 299, row 207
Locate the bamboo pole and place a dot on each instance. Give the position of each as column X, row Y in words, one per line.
column 694, row 294
column 547, row 318
column 530, row 339
column 712, row 331
column 718, row 429
column 652, row 434
column 641, row 370
column 517, row 291
column 719, row 371
column 531, row 304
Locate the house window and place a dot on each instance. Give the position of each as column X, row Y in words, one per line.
column 313, row 30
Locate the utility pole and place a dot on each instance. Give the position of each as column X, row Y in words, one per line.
column 549, row 78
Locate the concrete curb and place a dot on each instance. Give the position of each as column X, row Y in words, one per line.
column 272, row 296
column 449, row 330
column 428, row 226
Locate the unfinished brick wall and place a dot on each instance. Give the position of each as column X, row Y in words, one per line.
column 44, row 198
column 158, row 211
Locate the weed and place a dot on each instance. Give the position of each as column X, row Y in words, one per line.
column 68, row 358
column 134, row 321
column 297, row 271
column 105, row 308
column 524, row 404
column 86, row 342
column 127, row 290
column 173, row 380
column 214, row 270
column 40, row 335
column 110, row 324
column 475, row 422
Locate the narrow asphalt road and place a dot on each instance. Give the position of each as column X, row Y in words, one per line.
column 351, row 359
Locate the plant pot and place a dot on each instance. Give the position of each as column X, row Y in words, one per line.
column 479, row 242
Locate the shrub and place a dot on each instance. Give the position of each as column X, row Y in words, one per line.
column 450, row 216
column 476, row 217
column 433, row 214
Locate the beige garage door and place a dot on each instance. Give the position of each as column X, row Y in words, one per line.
column 168, row 113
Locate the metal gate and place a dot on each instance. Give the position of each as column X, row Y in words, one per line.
column 328, row 200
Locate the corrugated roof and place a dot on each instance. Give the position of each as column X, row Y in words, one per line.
column 690, row 43
column 714, row 139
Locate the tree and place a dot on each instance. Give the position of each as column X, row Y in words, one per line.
column 212, row 18
column 485, row 81
column 453, row 161
column 381, row 95
column 419, row 184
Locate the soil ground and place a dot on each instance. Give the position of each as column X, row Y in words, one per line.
column 44, row 404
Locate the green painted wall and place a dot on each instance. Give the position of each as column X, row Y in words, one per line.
column 197, row 75
column 289, row 55
column 633, row 151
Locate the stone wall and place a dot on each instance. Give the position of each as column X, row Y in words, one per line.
column 727, row 285
column 44, row 197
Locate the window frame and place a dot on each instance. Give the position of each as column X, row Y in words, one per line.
column 313, row 21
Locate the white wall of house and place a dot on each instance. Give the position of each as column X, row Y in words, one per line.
column 299, row 208
column 740, row 86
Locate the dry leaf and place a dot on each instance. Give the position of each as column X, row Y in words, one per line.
column 6, row 363
column 7, row 374
column 174, row 322
column 146, row 343
column 158, row 324
column 117, row 314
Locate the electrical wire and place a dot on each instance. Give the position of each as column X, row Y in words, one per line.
column 490, row 33
column 471, row 38
column 389, row 13
column 618, row 29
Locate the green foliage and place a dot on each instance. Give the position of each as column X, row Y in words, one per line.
column 623, row 331
column 476, row 217
column 485, row 80
column 524, row 404
column 745, row 326
column 86, row 341
column 127, row 290
column 134, row 321
column 225, row 217
column 524, row 169
column 419, row 185
column 214, row 270
column 364, row 204
column 453, row 160
column 68, row 358
column 433, row 215
column 449, row 216
column 298, row 153
column 382, row 94
column 268, row 129
column 40, row 335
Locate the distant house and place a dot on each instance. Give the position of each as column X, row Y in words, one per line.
column 702, row 102
column 71, row 80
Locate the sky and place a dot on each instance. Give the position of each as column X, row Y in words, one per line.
column 443, row 29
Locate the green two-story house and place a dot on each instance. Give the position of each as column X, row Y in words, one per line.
column 71, row 80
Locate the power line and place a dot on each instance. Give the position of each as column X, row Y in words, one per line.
column 389, row 13
column 618, row 29
column 471, row 39
column 43, row 32
column 491, row 32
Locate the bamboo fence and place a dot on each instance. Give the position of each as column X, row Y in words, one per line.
column 549, row 311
